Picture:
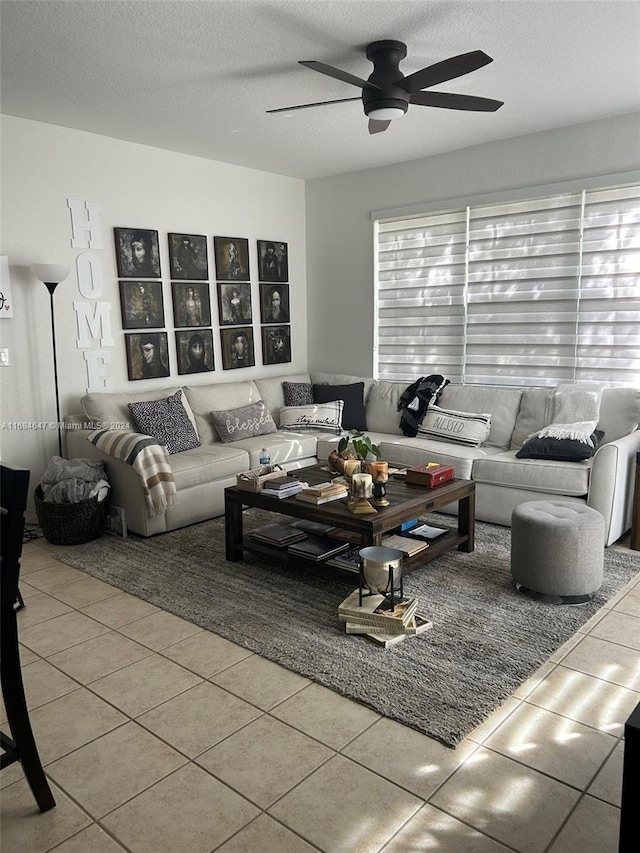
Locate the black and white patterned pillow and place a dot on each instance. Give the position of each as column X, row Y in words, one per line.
column 167, row 421
column 297, row 393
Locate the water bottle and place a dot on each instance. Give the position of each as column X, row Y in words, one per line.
column 265, row 459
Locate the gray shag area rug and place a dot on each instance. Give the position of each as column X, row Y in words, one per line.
column 486, row 638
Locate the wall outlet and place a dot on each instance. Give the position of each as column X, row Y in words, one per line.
column 4, row 356
column 116, row 521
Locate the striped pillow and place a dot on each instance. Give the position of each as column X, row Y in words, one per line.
column 326, row 417
column 466, row 428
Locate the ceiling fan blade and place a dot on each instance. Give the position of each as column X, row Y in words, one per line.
column 450, row 101
column 378, row 126
column 330, row 71
column 318, row 104
column 448, row 69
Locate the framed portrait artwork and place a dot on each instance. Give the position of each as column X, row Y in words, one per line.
column 195, row 351
column 147, row 355
column 276, row 344
column 191, row 304
column 274, row 303
column 188, row 257
column 237, row 348
column 234, row 304
column 232, row 258
column 273, row 261
column 137, row 253
column 141, row 304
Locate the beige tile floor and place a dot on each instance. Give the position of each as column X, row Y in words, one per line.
column 160, row 737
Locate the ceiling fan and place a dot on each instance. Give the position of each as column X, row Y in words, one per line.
column 387, row 93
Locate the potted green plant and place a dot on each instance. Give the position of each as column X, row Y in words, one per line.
column 355, row 445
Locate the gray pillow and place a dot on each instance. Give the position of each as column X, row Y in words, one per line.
column 167, row 421
column 297, row 393
column 243, row 422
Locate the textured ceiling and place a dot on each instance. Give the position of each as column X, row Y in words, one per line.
column 197, row 77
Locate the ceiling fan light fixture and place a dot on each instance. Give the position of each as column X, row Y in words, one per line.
column 386, row 113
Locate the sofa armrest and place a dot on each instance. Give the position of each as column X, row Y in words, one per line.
column 611, row 484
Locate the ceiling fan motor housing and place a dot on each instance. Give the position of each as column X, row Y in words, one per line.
column 386, row 57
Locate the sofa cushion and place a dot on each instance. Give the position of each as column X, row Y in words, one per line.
column 382, row 407
column 502, row 403
column 353, row 413
column 407, row 452
column 534, row 475
column 468, row 428
column 531, row 415
column 297, row 393
column 272, row 392
column 111, row 408
column 205, row 399
column 619, row 412
column 324, row 417
column 343, row 379
column 285, row 448
column 167, row 421
column 243, row 422
column 208, row 463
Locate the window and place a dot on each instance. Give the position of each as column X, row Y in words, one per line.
column 521, row 293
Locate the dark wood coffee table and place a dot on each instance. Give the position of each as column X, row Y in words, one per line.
column 406, row 502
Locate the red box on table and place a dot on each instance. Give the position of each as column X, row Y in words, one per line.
column 430, row 475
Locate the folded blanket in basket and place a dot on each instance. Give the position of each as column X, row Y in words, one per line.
column 68, row 481
column 148, row 459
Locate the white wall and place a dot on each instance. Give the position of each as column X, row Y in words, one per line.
column 340, row 231
column 136, row 186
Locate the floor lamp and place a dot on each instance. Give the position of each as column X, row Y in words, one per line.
column 51, row 275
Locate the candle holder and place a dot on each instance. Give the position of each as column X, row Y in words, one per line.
column 351, row 467
column 380, row 474
column 361, row 489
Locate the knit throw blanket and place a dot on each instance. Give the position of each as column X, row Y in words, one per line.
column 572, row 403
column 148, row 459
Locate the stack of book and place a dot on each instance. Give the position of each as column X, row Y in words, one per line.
column 322, row 493
column 317, row 547
column 409, row 547
column 384, row 627
column 348, row 560
column 283, row 487
column 279, row 535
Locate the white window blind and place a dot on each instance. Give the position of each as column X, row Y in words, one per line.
column 522, row 293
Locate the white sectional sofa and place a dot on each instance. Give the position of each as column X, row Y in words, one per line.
column 604, row 482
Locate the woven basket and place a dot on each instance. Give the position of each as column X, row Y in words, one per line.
column 70, row 524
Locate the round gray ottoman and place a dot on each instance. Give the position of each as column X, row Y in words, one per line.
column 557, row 551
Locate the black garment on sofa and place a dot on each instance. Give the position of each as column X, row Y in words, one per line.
column 415, row 400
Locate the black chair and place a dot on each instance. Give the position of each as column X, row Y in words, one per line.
column 14, row 488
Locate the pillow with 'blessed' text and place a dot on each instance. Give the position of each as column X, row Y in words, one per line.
column 243, row 422
column 468, row 428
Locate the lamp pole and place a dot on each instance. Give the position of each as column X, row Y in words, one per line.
column 51, row 275
column 51, row 286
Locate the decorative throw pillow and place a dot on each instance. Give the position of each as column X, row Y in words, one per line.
column 560, row 449
column 297, row 393
column 353, row 414
column 243, row 422
column 326, row 417
column 466, row 428
column 167, row 421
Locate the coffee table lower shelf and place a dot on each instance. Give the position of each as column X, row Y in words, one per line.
column 406, row 502
column 445, row 542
